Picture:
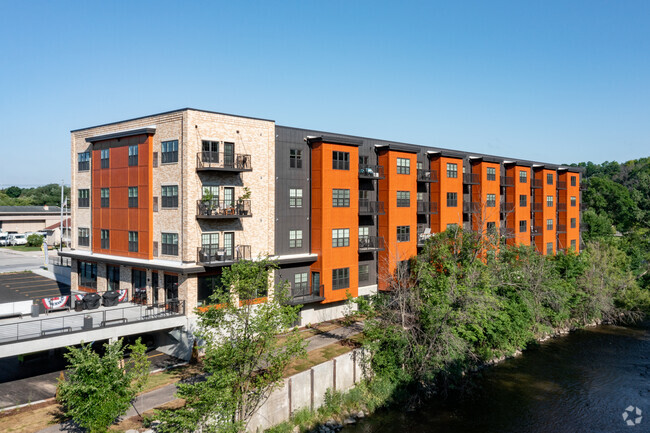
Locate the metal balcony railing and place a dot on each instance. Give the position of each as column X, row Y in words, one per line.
column 507, row 207
column 427, row 175
column 367, row 207
column 471, row 207
column 561, row 184
column 536, row 183
column 215, row 255
column 367, row 171
column 471, row 178
column 305, row 294
column 427, row 207
column 507, row 181
column 371, row 243
column 537, row 207
column 561, row 207
column 223, row 161
column 536, row 230
column 222, row 209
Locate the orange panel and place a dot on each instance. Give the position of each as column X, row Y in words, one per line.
column 519, row 213
column 480, row 194
column 547, row 212
column 572, row 212
column 446, row 215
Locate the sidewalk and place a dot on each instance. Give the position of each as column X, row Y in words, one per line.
column 157, row 397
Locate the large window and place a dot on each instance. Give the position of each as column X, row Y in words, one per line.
column 105, row 240
column 491, row 173
column 133, row 196
column 207, row 285
column 340, row 238
column 364, row 273
column 573, row 201
column 403, row 233
column 83, row 239
column 549, row 224
column 170, row 244
column 403, row 166
column 523, row 226
column 403, row 198
column 83, row 160
column 340, row 160
column 133, row 242
column 210, row 241
column 169, row 151
column 295, row 158
column 341, row 278
column 549, row 178
column 549, row 201
column 452, row 170
column 523, row 176
column 83, row 198
column 113, row 277
column 523, row 200
column 295, row 197
column 105, row 155
column 105, row 199
column 295, row 238
column 87, row 272
column 452, row 199
column 573, row 223
column 491, row 200
column 169, row 196
column 341, row 197
column 133, row 155
column 139, row 280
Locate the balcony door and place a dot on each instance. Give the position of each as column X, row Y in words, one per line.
column 315, row 283
column 229, row 197
column 229, row 155
column 171, row 287
column 229, row 245
column 210, row 151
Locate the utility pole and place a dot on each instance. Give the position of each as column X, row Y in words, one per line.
column 61, row 223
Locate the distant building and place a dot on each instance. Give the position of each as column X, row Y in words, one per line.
column 54, row 232
column 21, row 219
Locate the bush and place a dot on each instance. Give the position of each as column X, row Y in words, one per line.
column 34, row 240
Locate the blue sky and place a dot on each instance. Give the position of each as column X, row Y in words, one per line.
column 557, row 81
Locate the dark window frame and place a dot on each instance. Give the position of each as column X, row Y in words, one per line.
column 404, row 167
column 296, row 242
column 403, row 198
column 340, row 160
column 523, row 200
column 83, row 161
column 490, row 200
column 133, row 241
column 340, row 278
column 523, row 176
column 105, row 239
column 83, row 237
column 452, row 199
column 133, row 155
column 340, row 197
column 523, row 226
column 549, row 178
column 105, row 157
column 168, row 200
column 491, row 173
column 83, row 197
column 169, row 152
column 403, row 233
column 549, row 201
column 133, row 198
column 169, row 248
column 295, row 158
column 549, row 224
column 105, row 200
column 296, row 200
column 340, row 238
column 452, row 170
column 364, row 273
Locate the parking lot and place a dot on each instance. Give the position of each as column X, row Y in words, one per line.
column 25, row 286
column 17, row 261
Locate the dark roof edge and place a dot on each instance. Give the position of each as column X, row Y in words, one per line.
column 331, row 139
column 120, row 134
column 399, row 147
column 448, row 153
column 170, row 112
column 117, row 260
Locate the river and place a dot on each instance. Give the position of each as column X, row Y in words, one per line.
column 582, row 382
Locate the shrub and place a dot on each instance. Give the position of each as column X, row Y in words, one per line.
column 34, row 240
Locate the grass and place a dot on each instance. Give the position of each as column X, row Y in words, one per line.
column 26, row 248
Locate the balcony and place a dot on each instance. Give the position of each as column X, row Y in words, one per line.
column 584, row 227
column 424, row 233
column 583, row 186
column 306, row 294
column 427, row 208
column 583, row 206
column 536, row 183
column 427, row 175
column 212, row 255
column 507, row 207
column 507, row 232
column 368, row 244
column 371, row 171
column 223, row 209
column 470, row 178
column 473, row 207
column 561, row 184
column 367, row 207
column 561, row 207
column 536, row 230
column 537, row 207
column 507, row 181
column 218, row 161
column 561, row 228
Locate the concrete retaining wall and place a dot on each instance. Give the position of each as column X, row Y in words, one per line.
column 307, row 389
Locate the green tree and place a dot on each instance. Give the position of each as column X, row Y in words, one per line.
column 13, row 191
column 34, row 240
column 98, row 389
column 249, row 342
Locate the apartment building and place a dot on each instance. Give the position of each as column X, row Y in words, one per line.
column 165, row 202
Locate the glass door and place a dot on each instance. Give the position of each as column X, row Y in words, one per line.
column 229, row 155
column 315, row 283
column 228, row 245
column 229, row 197
column 210, row 151
column 171, row 287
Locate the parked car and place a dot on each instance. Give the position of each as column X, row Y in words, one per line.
column 3, row 240
column 17, row 239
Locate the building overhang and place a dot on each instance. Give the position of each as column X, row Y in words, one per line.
column 445, row 154
column 333, row 139
column 161, row 265
column 149, row 130
column 294, row 258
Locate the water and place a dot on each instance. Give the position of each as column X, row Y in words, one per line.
column 579, row 383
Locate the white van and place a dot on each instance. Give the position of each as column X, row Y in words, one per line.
column 17, row 239
column 3, row 239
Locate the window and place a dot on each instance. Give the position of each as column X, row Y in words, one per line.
column 364, row 235
column 403, row 166
column 523, row 226
column 105, row 241
column 207, row 286
column 133, row 155
column 452, row 170
column 295, row 158
column 169, row 151
column 133, row 242
column 364, row 273
column 403, row 198
column 340, row 238
column 573, row 242
column 341, row 197
column 573, row 201
column 452, row 199
column 301, row 283
column 83, row 159
column 491, row 227
column 210, row 241
column 421, row 196
column 104, row 158
column 133, row 196
column 83, row 198
column 549, row 248
column 87, row 274
column 139, row 280
column 549, row 178
column 295, row 238
column 549, row 224
column 170, row 244
column 403, row 233
column 491, row 173
column 523, row 176
column 340, row 160
column 113, row 277
column 573, row 223
column 549, row 201
column 295, row 197
column 573, row 183
column 341, row 278
column 84, row 237
column 523, row 200
column 491, row 200
column 169, row 196
column 105, row 197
